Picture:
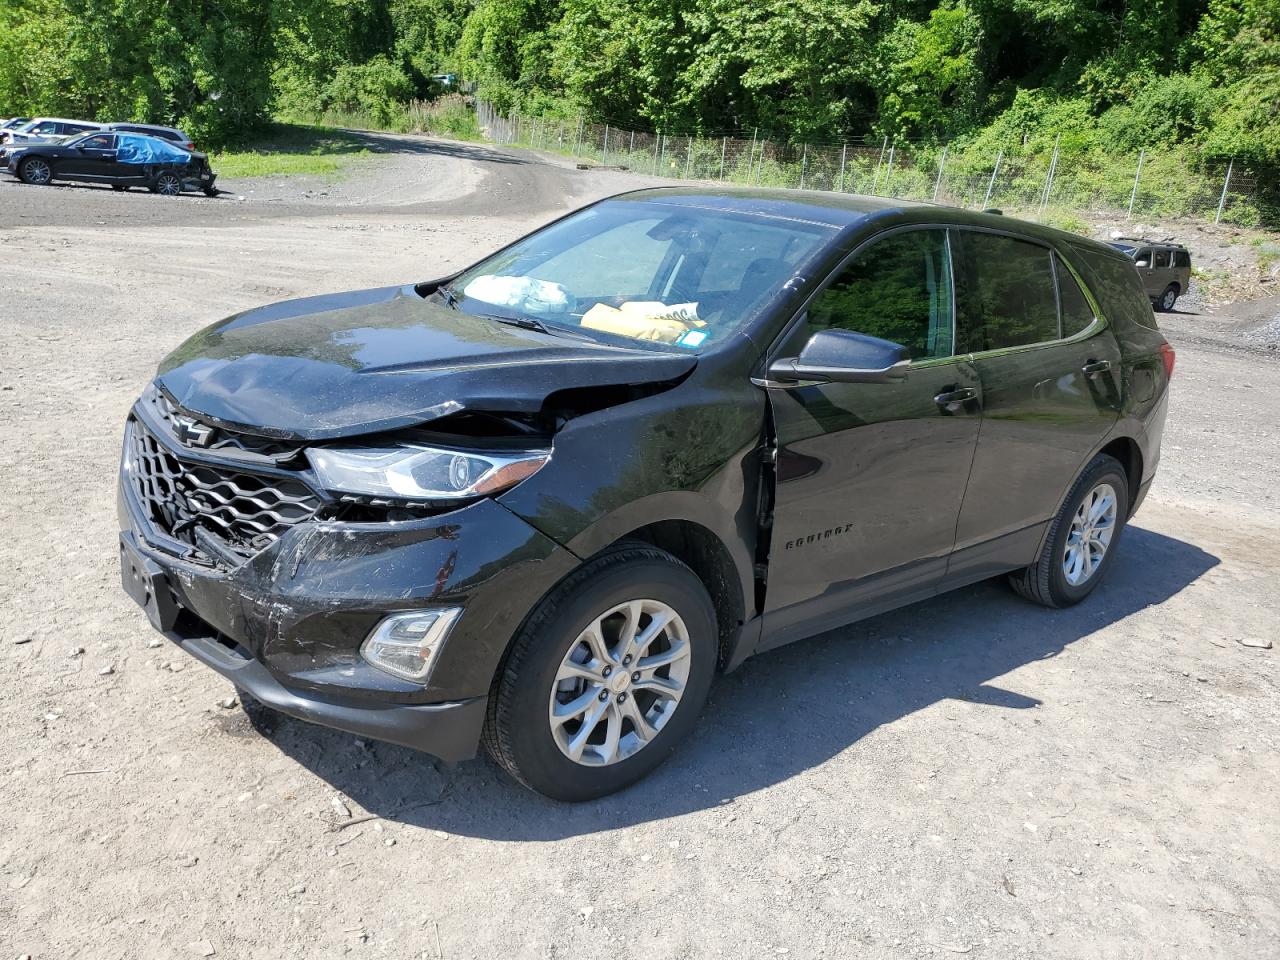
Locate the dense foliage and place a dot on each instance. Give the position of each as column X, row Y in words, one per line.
column 1110, row 75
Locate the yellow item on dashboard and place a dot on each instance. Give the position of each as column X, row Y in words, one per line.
column 644, row 320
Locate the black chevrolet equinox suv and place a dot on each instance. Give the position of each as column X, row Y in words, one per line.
column 540, row 503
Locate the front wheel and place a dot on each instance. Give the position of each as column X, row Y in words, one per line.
column 167, row 184
column 35, row 171
column 1082, row 538
column 606, row 677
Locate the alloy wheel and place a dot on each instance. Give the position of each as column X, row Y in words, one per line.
column 620, row 683
column 169, row 185
column 36, row 172
column 1092, row 528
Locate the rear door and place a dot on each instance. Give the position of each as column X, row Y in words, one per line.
column 1050, row 373
column 870, row 476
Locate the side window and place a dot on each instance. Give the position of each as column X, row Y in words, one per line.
column 1181, row 259
column 1162, row 259
column 104, row 142
column 1005, row 292
column 47, row 127
column 898, row 289
column 1142, row 258
column 1076, row 312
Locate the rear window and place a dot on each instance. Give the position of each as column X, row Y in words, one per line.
column 1005, row 292
column 1181, row 258
column 1117, row 287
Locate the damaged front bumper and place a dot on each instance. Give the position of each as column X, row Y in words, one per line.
column 286, row 625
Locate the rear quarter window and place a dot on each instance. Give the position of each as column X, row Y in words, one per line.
column 1117, row 288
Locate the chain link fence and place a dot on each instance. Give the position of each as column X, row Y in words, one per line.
column 1050, row 187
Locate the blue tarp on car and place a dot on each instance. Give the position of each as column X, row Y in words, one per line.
column 133, row 148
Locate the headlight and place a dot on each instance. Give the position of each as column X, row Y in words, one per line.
column 413, row 472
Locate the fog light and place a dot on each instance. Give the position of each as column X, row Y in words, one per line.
column 405, row 644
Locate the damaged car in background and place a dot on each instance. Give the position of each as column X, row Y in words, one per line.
column 540, row 503
column 120, row 160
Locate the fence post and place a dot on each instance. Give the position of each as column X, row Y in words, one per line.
column 942, row 165
column 1222, row 201
column 560, row 136
column 577, row 140
column 844, row 153
column 875, row 181
column 994, row 171
column 688, row 162
column 662, row 159
column 1133, row 194
column 604, row 160
column 1048, row 182
column 724, row 142
column 804, row 165
column 657, row 149
column 760, row 162
column 889, row 169
column 632, row 148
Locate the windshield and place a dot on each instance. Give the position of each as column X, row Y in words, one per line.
column 654, row 272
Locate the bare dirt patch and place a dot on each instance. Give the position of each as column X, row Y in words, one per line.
column 970, row 776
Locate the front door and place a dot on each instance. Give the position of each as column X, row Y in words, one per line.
column 870, row 476
column 93, row 159
column 1050, row 375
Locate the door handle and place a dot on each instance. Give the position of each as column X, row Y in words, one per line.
column 1095, row 368
column 953, row 401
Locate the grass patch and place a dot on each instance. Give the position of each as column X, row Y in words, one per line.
column 291, row 148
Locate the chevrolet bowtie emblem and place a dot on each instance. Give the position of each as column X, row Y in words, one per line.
column 192, row 433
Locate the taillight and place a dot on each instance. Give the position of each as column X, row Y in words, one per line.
column 191, row 146
column 1168, row 356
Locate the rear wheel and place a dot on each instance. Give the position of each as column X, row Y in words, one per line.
column 607, row 676
column 1082, row 538
column 1168, row 298
column 35, row 171
column 167, row 184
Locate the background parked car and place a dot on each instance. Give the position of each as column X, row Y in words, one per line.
column 1164, row 266
column 12, row 122
column 47, row 128
column 121, row 160
column 172, row 134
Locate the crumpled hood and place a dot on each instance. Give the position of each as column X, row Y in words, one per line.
column 371, row 360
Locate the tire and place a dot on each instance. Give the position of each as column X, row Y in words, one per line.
column 119, row 187
column 520, row 731
column 167, row 184
column 35, row 171
column 1168, row 298
column 1049, row 580
column 210, row 191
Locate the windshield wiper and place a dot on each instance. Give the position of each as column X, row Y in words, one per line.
column 529, row 323
column 450, row 296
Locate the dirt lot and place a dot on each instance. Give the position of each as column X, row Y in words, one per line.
column 969, row 776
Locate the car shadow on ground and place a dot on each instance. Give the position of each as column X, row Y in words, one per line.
column 779, row 715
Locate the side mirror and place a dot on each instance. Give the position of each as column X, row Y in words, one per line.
column 841, row 356
column 1142, row 263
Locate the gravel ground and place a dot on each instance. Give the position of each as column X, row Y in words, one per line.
column 968, row 776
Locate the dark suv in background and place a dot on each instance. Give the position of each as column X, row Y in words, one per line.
column 540, row 503
column 1164, row 268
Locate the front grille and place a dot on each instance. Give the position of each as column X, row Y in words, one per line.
column 190, row 500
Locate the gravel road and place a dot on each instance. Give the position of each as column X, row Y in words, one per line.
column 969, row 776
